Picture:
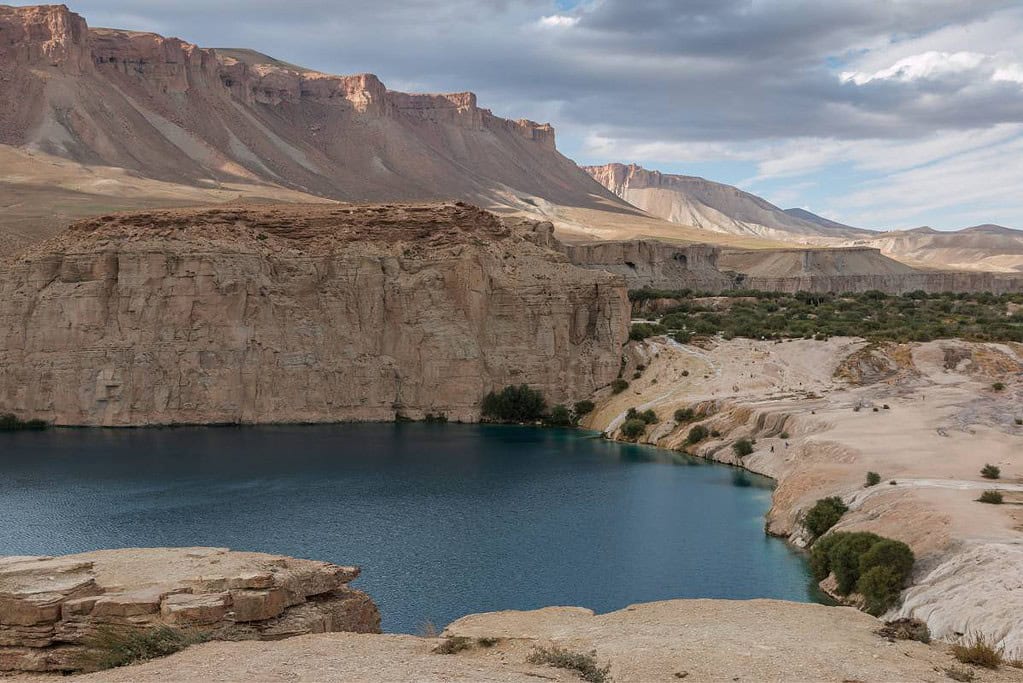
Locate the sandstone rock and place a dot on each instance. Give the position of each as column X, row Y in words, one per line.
column 298, row 314
column 46, row 624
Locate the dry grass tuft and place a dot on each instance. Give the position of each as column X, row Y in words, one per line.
column 978, row 651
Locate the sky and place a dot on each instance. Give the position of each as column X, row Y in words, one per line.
column 883, row 114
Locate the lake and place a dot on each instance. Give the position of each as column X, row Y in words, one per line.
column 444, row 519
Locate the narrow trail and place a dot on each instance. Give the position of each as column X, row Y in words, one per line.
column 862, row 495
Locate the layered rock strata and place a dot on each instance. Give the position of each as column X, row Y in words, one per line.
column 57, row 612
column 299, row 314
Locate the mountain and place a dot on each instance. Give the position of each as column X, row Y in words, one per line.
column 109, row 119
column 715, row 207
column 981, row 247
column 804, row 215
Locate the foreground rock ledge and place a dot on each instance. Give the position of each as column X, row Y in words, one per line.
column 690, row 640
column 53, row 608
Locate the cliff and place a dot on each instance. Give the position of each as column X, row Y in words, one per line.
column 709, row 268
column 298, row 314
column 166, row 110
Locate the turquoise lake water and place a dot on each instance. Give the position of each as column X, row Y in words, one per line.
column 445, row 520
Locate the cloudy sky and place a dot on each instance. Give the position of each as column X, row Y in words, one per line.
column 878, row 113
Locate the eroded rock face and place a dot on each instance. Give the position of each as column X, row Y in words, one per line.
column 53, row 609
column 298, row 314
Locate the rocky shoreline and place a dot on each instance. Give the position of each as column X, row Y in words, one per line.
column 823, row 414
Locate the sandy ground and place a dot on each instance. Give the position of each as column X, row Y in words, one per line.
column 700, row 640
column 942, row 423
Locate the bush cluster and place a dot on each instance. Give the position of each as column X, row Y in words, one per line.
column 647, row 416
column 823, row 515
column 875, row 567
column 10, row 423
column 990, row 471
column 619, row 385
column 992, row 497
column 916, row 316
column 684, row 415
column 634, row 428
column 742, row 447
column 641, row 331
column 583, row 407
column 697, row 434
column 515, row 404
column 585, row 665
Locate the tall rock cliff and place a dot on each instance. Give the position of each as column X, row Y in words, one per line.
column 171, row 111
column 282, row 314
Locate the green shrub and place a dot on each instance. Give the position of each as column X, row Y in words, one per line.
column 684, row 415
column 742, row 447
column 992, row 497
column 978, row 651
column 560, row 416
column 514, row 404
column 641, row 331
column 10, row 423
column 452, row 645
column 619, row 385
column 990, row 472
column 583, row 664
column 873, row 566
column 583, row 407
column 783, row 435
column 633, row 428
column 823, row 515
column 697, row 434
column 649, row 416
column 873, row 479
column 998, row 386
column 112, row 647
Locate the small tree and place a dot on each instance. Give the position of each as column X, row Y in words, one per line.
column 684, row 415
column 989, row 471
column 514, row 404
column 823, row 515
column 697, row 434
column 619, row 385
column 742, row 447
column 873, row 479
column 559, row 417
column 583, row 408
column 633, row 429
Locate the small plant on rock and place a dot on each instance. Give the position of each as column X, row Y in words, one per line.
column 697, row 434
column 998, row 386
column 990, row 471
column 978, row 651
column 992, row 497
column 742, row 447
column 452, row 645
column 684, row 415
column 583, row 664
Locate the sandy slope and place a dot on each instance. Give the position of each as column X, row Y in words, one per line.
column 942, row 424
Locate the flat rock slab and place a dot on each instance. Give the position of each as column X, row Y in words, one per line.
column 692, row 640
column 53, row 608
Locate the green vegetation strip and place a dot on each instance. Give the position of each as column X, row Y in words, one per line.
column 874, row 315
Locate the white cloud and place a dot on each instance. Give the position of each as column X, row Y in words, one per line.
column 558, row 21
column 925, row 65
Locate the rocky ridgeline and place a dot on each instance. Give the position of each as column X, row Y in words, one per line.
column 299, row 314
column 56, row 612
column 708, row 268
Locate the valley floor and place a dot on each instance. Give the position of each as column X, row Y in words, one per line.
column 926, row 417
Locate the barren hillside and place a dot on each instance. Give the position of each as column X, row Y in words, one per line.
column 135, row 119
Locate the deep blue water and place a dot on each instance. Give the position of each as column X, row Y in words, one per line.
column 445, row 520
